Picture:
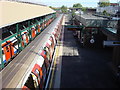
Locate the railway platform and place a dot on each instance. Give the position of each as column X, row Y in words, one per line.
column 78, row 67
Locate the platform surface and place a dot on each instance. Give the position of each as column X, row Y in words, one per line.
column 79, row 67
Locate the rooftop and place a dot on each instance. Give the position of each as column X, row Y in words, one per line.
column 14, row 12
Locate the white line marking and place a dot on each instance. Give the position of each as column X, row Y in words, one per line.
column 59, row 62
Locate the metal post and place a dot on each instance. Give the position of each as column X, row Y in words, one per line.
column 44, row 22
column 29, row 31
column 41, row 22
column 18, row 37
column 36, row 27
column 1, row 56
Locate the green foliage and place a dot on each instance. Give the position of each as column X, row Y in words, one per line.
column 64, row 9
column 84, row 9
column 73, row 12
column 103, row 4
column 54, row 8
column 105, row 13
column 77, row 5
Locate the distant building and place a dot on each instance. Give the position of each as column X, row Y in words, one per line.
column 103, row 0
column 87, row 10
column 114, row 4
column 113, row 9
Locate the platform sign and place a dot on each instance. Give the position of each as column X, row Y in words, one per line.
column 111, row 43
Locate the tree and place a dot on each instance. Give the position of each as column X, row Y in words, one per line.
column 64, row 9
column 104, row 12
column 54, row 8
column 84, row 9
column 104, row 4
column 77, row 5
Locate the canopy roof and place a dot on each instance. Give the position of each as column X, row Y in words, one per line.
column 14, row 12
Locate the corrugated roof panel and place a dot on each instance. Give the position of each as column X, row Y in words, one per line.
column 13, row 12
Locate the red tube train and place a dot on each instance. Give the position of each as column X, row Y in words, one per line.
column 30, row 68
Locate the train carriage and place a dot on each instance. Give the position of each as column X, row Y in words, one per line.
column 29, row 48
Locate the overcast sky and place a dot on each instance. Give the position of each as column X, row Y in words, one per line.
column 69, row 3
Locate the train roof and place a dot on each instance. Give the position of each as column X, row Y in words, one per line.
column 13, row 12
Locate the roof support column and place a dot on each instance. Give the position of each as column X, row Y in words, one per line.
column 19, row 38
column 29, row 30
column 1, row 56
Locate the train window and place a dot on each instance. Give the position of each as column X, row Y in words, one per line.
column 38, row 74
column 36, row 70
column 47, row 53
column 7, row 48
column 25, row 88
column 44, row 54
column 30, row 83
column 53, row 44
column 44, row 72
column 35, row 80
column 40, row 61
column 49, row 42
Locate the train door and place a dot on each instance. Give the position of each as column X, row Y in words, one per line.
column 29, row 84
column 52, row 45
column 35, row 80
column 32, row 82
column 47, row 53
column 46, row 61
column 39, row 28
column 42, row 25
column 48, row 44
column 33, row 32
column 26, row 39
column 8, row 50
column 43, row 70
column 38, row 73
column 55, row 33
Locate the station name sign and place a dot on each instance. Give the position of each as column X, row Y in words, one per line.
column 111, row 43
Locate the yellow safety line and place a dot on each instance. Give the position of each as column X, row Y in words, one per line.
column 53, row 70
column 56, row 56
